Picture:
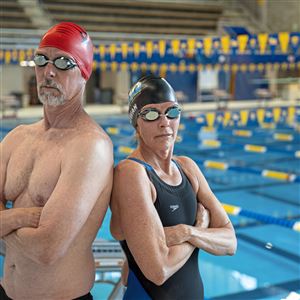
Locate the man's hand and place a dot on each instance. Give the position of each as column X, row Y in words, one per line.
column 16, row 218
column 28, row 216
column 202, row 217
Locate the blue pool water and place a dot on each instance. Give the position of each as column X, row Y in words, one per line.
column 266, row 265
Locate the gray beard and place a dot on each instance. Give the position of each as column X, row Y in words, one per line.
column 48, row 99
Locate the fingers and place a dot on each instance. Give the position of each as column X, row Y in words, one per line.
column 29, row 216
column 124, row 274
column 201, row 208
column 206, row 218
column 202, row 217
column 176, row 234
column 34, row 216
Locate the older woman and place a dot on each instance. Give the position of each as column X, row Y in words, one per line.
column 159, row 203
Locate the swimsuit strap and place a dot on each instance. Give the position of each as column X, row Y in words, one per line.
column 176, row 163
column 147, row 166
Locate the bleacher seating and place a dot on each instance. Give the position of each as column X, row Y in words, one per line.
column 13, row 16
column 138, row 17
column 109, row 20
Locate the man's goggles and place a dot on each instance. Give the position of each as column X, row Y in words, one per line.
column 152, row 114
column 61, row 63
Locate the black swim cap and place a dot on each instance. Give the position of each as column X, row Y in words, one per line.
column 148, row 90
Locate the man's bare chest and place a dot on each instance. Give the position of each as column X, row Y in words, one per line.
column 32, row 173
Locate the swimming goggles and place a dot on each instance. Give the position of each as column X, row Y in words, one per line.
column 152, row 114
column 61, row 62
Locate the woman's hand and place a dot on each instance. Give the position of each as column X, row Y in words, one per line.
column 202, row 217
column 176, row 235
column 180, row 233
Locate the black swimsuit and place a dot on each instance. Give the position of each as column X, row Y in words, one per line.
column 3, row 295
column 175, row 205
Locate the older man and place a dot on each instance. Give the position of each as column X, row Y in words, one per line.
column 58, row 175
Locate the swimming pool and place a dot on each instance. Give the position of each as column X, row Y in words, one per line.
column 266, row 265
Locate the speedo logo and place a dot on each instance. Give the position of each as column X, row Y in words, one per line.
column 174, row 207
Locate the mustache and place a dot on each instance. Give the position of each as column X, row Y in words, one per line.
column 50, row 83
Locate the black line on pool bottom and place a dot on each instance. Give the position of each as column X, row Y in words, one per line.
column 274, row 250
column 263, row 292
column 275, row 198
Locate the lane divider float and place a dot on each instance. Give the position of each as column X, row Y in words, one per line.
column 255, row 148
column 239, row 211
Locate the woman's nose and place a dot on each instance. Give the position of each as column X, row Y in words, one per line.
column 164, row 120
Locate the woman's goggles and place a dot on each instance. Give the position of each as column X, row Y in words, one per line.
column 152, row 114
column 61, row 63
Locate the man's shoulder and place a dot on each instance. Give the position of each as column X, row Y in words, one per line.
column 22, row 130
column 89, row 142
column 28, row 127
column 92, row 134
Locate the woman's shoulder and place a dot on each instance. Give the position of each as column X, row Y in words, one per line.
column 128, row 175
column 190, row 169
column 185, row 162
column 130, row 167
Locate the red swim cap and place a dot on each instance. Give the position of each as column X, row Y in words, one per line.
column 74, row 40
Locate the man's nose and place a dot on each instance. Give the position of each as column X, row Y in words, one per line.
column 50, row 70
